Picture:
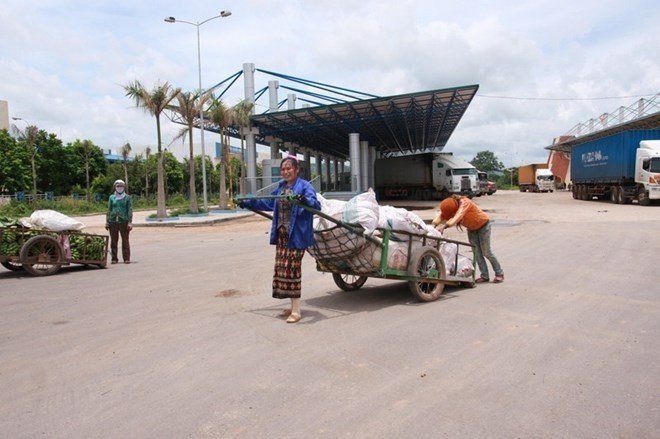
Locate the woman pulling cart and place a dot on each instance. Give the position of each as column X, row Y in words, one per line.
column 291, row 232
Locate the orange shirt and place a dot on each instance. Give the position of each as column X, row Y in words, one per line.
column 468, row 215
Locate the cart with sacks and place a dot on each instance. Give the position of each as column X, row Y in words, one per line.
column 359, row 239
column 41, row 250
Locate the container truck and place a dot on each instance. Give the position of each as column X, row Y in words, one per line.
column 428, row 176
column 535, row 178
column 623, row 167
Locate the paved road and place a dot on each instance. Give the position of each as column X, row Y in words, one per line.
column 186, row 342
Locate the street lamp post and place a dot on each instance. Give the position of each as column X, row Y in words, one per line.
column 222, row 14
column 20, row 118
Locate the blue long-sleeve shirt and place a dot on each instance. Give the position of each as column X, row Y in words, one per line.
column 301, row 228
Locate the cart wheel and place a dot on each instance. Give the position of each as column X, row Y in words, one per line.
column 13, row 266
column 426, row 263
column 41, row 255
column 349, row 282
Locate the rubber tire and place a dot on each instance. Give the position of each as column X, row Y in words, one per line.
column 614, row 194
column 426, row 262
column 349, row 282
column 41, row 247
column 644, row 199
column 621, row 198
column 12, row 266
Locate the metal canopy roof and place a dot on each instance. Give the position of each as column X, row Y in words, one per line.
column 648, row 122
column 414, row 122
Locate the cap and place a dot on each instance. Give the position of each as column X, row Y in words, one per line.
column 119, row 183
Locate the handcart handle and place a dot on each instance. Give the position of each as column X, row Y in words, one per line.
column 348, row 226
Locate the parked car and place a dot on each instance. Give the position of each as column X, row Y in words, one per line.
column 491, row 188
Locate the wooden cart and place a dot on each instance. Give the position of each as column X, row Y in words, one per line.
column 353, row 256
column 44, row 252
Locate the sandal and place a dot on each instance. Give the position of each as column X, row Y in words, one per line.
column 285, row 312
column 498, row 279
column 293, row 318
column 482, row 280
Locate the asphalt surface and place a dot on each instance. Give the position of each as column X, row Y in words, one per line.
column 186, row 343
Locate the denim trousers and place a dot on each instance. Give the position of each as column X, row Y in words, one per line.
column 480, row 239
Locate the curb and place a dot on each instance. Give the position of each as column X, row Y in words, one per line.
column 185, row 222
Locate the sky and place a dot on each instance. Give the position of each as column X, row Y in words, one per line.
column 542, row 66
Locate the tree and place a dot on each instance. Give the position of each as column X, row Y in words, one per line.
column 175, row 173
column 221, row 115
column 94, row 164
column 86, row 147
column 29, row 138
column 154, row 102
column 241, row 116
column 147, row 153
column 125, row 153
column 57, row 166
column 486, row 161
column 14, row 164
column 190, row 105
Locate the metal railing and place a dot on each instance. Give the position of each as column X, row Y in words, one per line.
column 640, row 108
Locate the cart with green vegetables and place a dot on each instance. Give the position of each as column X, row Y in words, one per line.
column 352, row 256
column 44, row 252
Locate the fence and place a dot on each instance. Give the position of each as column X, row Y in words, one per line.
column 48, row 196
column 265, row 185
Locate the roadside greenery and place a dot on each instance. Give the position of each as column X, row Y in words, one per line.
column 487, row 161
column 38, row 171
column 77, row 179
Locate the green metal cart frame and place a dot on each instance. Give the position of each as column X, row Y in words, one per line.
column 425, row 271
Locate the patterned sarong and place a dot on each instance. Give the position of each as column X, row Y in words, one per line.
column 288, row 271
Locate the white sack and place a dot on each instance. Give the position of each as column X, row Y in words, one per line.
column 396, row 218
column 55, row 221
column 333, row 208
column 362, row 209
column 465, row 267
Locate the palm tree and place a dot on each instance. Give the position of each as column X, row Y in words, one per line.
column 154, row 102
column 125, row 152
column 190, row 105
column 221, row 115
column 242, row 112
column 147, row 153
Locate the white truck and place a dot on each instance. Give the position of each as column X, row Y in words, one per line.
column 535, row 178
column 428, row 176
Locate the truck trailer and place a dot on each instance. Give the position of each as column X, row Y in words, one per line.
column 535, row 177
column 428, row 176
column 623, row 167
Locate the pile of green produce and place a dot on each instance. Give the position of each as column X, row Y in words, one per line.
column 83, row 246
column 87, row 247
column 13, row 238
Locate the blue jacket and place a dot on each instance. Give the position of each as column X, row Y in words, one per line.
column 301, row 228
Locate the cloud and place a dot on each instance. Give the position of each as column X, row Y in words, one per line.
column 63, row 63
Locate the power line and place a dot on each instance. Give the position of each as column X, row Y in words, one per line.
column 519, row 98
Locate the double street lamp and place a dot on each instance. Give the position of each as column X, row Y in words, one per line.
column 222, row 14
column 20, row 118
